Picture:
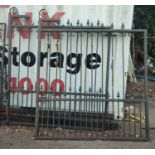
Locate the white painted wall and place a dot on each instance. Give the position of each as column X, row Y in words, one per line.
column 106, row 14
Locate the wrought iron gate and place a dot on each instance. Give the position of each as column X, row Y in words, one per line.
column 82, row 76
column 87, row 106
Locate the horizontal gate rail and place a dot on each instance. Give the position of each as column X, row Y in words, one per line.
column 99, row 100
column 75, row 29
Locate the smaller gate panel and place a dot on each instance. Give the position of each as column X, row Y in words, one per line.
column 94, row 103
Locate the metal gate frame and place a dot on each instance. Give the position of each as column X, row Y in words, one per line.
column 18, row 115
column 105, row 97
column 42, row 99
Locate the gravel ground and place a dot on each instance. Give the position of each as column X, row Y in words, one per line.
column 22, row 138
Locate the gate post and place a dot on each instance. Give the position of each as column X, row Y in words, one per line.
column 146, row 87
column 9, row 62
column 3, row 95
column 107, row 73
column 38, row 75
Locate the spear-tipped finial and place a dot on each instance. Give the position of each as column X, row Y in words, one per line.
column 102, row 25
column 80, row 89
column 58, row 22
column 112, row 25
column 78, row 22
column 70, row 89
column 41, row 87
column 68, row 22
column 100, row 90
column 98, row 23
column 90, row 90
column 122, row 25
column 118, row 95
column 88, row 23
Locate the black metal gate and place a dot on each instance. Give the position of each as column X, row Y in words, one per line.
column 92, row 101
column 81, row 73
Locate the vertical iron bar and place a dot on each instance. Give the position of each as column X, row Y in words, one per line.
column 85, row 78
column 4, row 83
column 9, row 65
column 48, row 49
column 91, row 91
column 89, row 112
column 81, row 87
column 22, row 100
column 113, row 107
column 38, row 76
column 49, row 80
column 102, row 77
column 54, row 114
column 19, row 69
column 97, row 39
column 55, row 121
column 27, row 96
column 134, row 104
column 134, row 121
column 32, row 94
column 75, row 104
column 140, row 123
column 59, row 78
column 13, row 95
column 129, row 123
column 2, row 69
column 123, row 74
column 107, row 74
column 70, row 81
column 133, row 50
column 146, row 87
column 53, row 117
column 65, row 83
column 96, row 63
column 42, row 115
column 118, row 117
column 97, row 112
column 86, row 114
column 48, row 75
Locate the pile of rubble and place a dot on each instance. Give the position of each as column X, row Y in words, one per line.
column 137, row 89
